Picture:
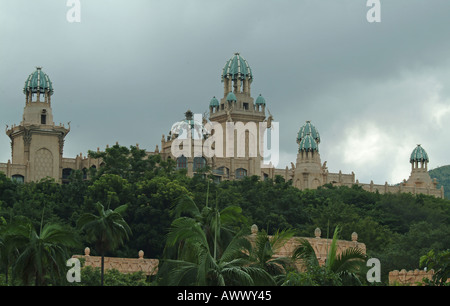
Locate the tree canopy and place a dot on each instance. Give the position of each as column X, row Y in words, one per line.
column 397, row 228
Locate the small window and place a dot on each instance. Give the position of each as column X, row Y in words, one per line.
column 43, row 119
column 245, row 105
column 241, row 173
column 222, row 171
column 18, row 178
column 181, row 162
column 66, row 173
column 199, row 163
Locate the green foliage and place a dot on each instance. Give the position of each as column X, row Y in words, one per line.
column 262, row 254
column 398, row 228
column 42, row 253
column 440, row 263
column 107, row 229
column 346, row 268
column 91, row 277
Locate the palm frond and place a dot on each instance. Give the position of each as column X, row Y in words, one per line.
column 280, row 238
column 332, row 252
column 351, row 260
column 183, row 229
column 306, row 254
column 185, row 205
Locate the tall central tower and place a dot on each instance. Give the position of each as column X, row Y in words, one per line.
column 237, row 103
column 238, row 107
column 234, row 143
column 37, row 143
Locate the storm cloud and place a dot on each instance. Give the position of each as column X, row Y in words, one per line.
column 130, row 69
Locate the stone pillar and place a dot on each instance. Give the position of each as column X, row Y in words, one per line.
column 190, row 167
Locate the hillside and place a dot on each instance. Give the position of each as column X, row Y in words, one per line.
column 442, row 174
column 397, row 228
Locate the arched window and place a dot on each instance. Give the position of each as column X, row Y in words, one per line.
column 18, row 178
column 224, row 171
column 85, row 173
column 181, row 162
column 199, row 163
column 66, row 173
column 241, row 173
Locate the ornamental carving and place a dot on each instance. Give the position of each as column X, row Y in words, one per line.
column 61, row 143
column 26, row 137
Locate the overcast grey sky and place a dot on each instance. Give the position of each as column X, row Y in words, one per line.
column 130, row 69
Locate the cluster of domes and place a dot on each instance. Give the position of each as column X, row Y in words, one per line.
column 308, row 138
column 237, row 71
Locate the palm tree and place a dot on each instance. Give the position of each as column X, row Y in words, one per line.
column 349, row 266
column 219, row 226
column 211, row 249
column 199, row 265
column 264, row 250
column 12, row 236
column 107, row 230
column 44, row 253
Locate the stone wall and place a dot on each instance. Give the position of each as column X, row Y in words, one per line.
column 409, row 278
column 150, row 266
column 123, row 265
column 320, row 245
column 401, row 188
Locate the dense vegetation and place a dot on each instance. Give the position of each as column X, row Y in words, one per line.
column 175, row 218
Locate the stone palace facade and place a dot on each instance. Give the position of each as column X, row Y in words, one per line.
column 37, row 143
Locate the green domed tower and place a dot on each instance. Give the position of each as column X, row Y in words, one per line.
column 214, row 105
column 38, row 90
column 260, row 103
column 419, row 168
column 237, row 75
column 237, row 103
column 419, row 155
column 309, row 173
column 37, row 143
column 38, row 84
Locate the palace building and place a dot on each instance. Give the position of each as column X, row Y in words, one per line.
column 233, row 131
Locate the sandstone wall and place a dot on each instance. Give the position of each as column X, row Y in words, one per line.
column 409, row 278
